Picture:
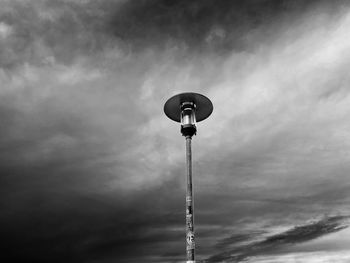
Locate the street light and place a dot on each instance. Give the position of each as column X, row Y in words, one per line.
column 188, row 108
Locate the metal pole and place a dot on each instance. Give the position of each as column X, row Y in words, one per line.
column 190, row 243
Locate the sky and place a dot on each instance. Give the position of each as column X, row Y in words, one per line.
column 91, row 169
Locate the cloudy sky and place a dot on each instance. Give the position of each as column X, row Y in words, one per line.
column 91, row 170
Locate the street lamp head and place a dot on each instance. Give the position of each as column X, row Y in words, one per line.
column 188, row 119
column 188, row 108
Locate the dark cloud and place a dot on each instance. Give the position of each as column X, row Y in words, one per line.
column 51, row 224
column 210, row 26
column 272, row 244
column 65, row 31
column 46, row 32
column 238, row 238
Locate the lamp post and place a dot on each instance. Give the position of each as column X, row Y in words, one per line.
column 188, row 108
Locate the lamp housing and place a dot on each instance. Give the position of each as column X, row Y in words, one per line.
column 188, row 119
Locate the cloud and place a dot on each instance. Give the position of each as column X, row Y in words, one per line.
column 209, row 26
column 89, row 163
column 200, row 26
column 238, row 238
column 272, row 244
column 38, row 31
column 310, row 257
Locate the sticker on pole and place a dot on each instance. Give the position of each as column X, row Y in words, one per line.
column 190, row 240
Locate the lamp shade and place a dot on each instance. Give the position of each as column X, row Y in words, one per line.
column 203, row 106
